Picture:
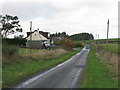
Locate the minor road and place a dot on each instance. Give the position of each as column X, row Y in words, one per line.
column 64, row 75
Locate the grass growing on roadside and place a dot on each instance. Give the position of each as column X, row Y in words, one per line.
column 97, row 74
column 111, row 47
column 14, row 72
column 25, row 51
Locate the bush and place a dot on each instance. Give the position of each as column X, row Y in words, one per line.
column 9, row 51
column 68, row 43
column 78, row 45
column 69, row 46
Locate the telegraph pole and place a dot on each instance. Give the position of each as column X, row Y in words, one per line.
column 98, row 38
column 107, row 31
column 30, row 36
column 107, row 36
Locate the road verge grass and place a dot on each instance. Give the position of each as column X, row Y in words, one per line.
column 97, row 74
column 15, row 72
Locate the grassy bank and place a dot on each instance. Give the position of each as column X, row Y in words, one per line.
column 15, row 72
column 111, row 47
column 97, row 74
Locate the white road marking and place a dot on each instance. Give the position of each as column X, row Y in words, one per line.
column 76, row 78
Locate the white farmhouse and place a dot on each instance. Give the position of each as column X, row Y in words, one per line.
column 37, row 39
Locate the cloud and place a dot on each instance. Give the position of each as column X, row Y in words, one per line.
column 71, row 16
column 29, row 10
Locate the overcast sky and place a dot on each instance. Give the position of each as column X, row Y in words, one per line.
column 71, row 16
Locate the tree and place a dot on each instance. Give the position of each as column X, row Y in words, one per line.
column 9, row 25
column 62, row 35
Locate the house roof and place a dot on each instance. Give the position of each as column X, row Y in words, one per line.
column 45, row 34
column 35, row 36
column 29, row 33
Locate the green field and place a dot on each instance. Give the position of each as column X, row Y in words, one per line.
column 111, row 47
column 15, row 72
column 98, row 40
column 110, row 39
column 97, row 74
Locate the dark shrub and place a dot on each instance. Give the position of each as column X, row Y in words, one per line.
column 14, row 41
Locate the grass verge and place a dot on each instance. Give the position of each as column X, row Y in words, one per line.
column 97, row 74
column 15, row 72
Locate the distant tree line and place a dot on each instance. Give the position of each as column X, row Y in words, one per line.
column 81, row 36
column 60, row 35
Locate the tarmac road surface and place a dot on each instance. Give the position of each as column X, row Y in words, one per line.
column 64, row 75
